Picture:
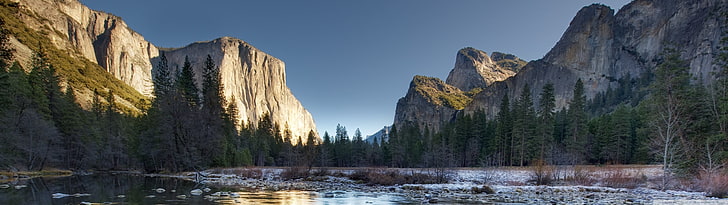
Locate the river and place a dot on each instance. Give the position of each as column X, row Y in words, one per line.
column 138, row 189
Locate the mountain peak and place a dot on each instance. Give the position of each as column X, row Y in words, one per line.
column 589, row 35
column 475, row 69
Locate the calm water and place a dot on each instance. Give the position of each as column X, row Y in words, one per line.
column 131, row 189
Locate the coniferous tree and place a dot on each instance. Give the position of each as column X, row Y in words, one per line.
column 213, row 101
column 546, row 120
column 504, row 131
column 576, row 129
column 186, row 84
column 668, row 109
column 523, row 124
column 6, row 53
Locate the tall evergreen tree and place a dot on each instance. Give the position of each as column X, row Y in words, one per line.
column 523, row 124
column 186, row 84
column 504, row 133
column 547, row 105
column 577, row 124
column 213, row 101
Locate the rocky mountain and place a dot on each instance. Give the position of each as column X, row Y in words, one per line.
column 474, row 69
column 380, row 135
column 429, row 103
column 601, row 47
column 99, row 37
column 255, row 81
column 253, row 78
column 432, row 103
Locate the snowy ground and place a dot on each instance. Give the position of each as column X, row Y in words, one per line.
column 634, row 185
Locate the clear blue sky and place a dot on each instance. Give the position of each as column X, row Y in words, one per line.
column 349, row 62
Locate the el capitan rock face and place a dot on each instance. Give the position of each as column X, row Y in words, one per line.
column 252, row 79
column 600, row 47
column 255, row 80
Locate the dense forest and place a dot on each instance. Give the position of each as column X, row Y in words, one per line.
column 664, row 116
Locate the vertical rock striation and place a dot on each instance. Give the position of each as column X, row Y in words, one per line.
column 99, row 37
column 255, row 80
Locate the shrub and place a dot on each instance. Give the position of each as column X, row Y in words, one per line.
column 580, row 176
column 714, row 184
column 542, row 173
column 392, row 177
column 619, row 179
column 294, row 173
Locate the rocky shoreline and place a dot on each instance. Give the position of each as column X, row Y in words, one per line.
column 464, row 186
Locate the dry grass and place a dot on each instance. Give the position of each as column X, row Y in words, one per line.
column 390, row 177
column 295, row 173
column 621, row 179
column 714, row 184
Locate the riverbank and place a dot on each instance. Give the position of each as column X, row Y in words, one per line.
column 9, row 176
column 582, row 184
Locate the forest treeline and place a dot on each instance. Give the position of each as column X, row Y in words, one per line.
column 664, row 117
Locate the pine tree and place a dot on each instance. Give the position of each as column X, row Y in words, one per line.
column 162, row 78
column 212, row 113
column 504, row 133
column 186, row 84
column 546, row 120
column 577, row 124
column 39, row 80
column 523, row 124
column 6, row 53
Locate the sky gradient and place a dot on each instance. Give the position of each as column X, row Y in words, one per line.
column 348, row 62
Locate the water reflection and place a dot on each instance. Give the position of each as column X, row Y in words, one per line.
column 305, row 197
column 135, row 189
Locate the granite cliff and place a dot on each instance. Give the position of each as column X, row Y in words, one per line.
column 598, row 47
column 475, row 69
column 253, row 78
column 431, row 103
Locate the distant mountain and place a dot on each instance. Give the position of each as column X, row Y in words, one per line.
column 379, row 135
column 431, row 103
column 599, row 47
column 82, row 42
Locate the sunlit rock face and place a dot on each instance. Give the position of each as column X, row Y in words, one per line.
column 97, row 36
column 423, row 106
column 475, row 69
column 252, row 79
